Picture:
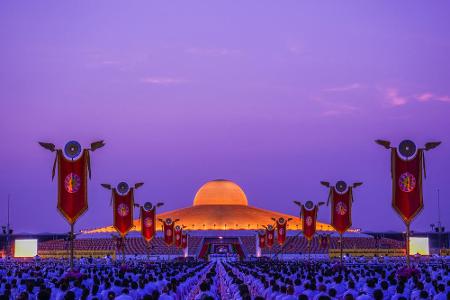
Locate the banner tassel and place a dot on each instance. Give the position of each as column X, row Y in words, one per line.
column 423, row 164
column 329, row 197
column 54, row 167
column 88, row 162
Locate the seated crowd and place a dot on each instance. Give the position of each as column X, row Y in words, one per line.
column 101, row 279
column 326, row 280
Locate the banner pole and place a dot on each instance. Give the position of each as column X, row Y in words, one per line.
column 309, row 250
column 341, row 242
column 71, row 239
column 71, row 246
column 123, row 249
column 407, row 245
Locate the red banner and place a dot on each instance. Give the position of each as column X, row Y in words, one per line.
column 309, row 218
column 72, row 186
column 184, row 240
column 123, row 206
column 178, row 234
column 262, row 239
column 270, row 235
column 168, row 232
column 341, row 209
column 281, row 230
column 407, row 185
column 148, row 223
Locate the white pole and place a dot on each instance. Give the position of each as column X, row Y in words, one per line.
column 258, row 249
column 186, row 250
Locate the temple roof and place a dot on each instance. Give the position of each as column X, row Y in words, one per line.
column 220, row 205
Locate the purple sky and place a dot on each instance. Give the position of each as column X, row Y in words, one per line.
column 273, row 96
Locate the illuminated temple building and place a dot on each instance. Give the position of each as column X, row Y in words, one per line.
column 222, row 205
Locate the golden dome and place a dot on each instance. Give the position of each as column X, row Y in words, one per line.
column 220, row 192
column 221, row 205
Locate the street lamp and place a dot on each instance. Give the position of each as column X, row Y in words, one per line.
column 7, row 232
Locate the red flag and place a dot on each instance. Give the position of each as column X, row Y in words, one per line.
column 281, row 230
column 262, row 239
column 72, row 185
column 309, row 218
column 184, row 240
column 270, row 234
column 407, row 185
column 341, row 209
column 168, row 231
column 148, row 223
column 123, row 206
column 178, row 234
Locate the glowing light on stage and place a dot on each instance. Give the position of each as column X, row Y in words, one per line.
column 419, row 245
column 25, row 248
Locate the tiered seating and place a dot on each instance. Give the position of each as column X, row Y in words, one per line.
column 366, row 243
column 389, row 243
column 157, row 246
column 295, row 245
column 81, row 244
column 132, row 246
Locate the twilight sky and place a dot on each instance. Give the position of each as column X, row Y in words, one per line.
column 276, row 96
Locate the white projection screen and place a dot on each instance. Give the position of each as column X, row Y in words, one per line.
column 419, row 245
column 25, row 248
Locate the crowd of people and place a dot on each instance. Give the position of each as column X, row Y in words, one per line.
column 327, row 280
column 100, row 279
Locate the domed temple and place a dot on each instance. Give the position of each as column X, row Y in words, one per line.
column 222, row 205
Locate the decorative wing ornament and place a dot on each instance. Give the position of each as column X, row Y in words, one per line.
column 97, row 145
column 138, row 185
column 106, row 186
column 431, row 145
column 325, row 183
column 384, row 143
column 49, row 146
